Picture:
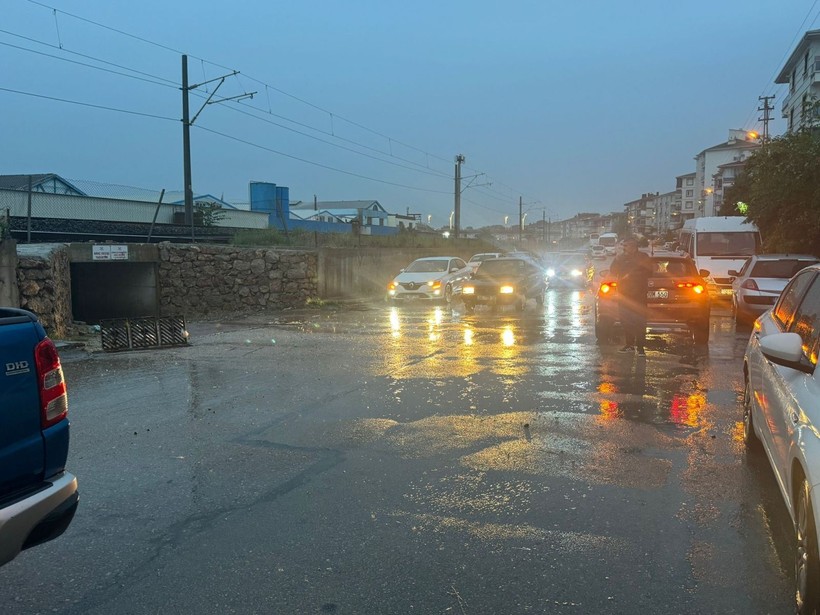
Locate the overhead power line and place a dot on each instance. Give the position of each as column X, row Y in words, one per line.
column 317, row 164
column 93, row 106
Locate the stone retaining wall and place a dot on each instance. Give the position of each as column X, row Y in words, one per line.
column 200, row 280
column 44, row 282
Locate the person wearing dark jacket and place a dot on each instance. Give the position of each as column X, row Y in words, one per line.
column 632, row 269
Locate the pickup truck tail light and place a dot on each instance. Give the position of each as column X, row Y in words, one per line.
column 608, row 287
column 53, row 398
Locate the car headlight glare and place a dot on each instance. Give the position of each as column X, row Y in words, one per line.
column 550, row 272
column 434, row 283
column 507, row 290
column 575, row 273
column 468, row 290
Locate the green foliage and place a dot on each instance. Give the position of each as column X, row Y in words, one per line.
column 208, row 214
column 781, row 186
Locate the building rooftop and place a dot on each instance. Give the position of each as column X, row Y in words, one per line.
column 796, row 55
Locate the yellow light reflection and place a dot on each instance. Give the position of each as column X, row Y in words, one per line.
column 607, row 387
column 468, row 337
column 508, row 337
column 609, row 410
column 438, row 316
column 687, row 410
column 395, row 323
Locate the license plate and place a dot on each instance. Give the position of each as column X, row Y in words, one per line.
column 725, row 291
column 484, row 297
column 657, row 294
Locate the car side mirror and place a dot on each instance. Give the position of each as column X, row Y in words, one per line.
column 785, row 349
column 704, row 273
column 733, row 273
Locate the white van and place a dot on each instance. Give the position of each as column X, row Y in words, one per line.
column 609, row 241
column 719, row 244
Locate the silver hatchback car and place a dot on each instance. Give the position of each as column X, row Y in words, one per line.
column 759, row 283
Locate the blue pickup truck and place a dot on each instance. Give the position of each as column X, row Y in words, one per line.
column 38, row 497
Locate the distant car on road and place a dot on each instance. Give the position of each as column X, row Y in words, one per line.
column 676, row 298
column 598, row 252
column 758, row 284
column 505, row 281
column 568, row 269
column 781, row 413
column 428, row 279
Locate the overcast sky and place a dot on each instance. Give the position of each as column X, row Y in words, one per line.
column 575, row 106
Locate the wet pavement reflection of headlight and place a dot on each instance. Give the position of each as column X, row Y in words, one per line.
column 508, row 337
column 468, row 337
column 395, row 323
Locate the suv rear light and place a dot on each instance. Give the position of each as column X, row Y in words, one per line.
column 607, row 287
column 749, row 284
column 50, row 381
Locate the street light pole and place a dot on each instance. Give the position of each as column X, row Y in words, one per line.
column 520, row 219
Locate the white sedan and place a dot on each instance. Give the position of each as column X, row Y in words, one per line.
column 781, row 404
column 432, row 278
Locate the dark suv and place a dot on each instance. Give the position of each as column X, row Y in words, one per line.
column 505, row 281
column 676, row 298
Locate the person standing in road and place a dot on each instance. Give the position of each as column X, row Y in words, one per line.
column 632, row 269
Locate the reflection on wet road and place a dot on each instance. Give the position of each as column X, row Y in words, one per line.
column 405, row 459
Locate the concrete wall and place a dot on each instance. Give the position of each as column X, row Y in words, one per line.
column 365, row 272
column 200, row 280
column 44, row 281
column 9, row 294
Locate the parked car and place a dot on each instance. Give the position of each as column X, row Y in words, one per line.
column 505, row 281
column 781, row 413
column 760, row 281
column 477, row 259
column 38, row 497
column 598, row 252
column 676, row 298
column 569, row 269
column 432, row 278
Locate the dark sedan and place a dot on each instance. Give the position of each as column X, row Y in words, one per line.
column 505, row 281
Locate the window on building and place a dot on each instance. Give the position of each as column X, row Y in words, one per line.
column 806, row 65
column 791, row 119
column 793, row 80
column 688, row 205
column 369, row 221
column 381, row 221
column 690, row 193
column 690, row 181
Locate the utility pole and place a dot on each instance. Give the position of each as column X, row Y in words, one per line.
column 186, row 147
column 520, row 219
column 765, row 119
column 457, row 208
column 187, row 122
column 544, row 225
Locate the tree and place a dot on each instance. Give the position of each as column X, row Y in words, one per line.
column 779, row 190
column 208, row 212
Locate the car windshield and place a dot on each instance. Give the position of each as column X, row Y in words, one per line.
column 427, row 266
column 728, row 244
column 674, row 267
column 784, row 269
column 501, row 267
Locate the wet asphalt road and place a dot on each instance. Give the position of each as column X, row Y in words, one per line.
column 370, row 459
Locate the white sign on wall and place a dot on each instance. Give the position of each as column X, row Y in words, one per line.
column 109, row 253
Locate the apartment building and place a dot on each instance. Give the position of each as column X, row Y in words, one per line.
column 802, row 74
column 740, row 145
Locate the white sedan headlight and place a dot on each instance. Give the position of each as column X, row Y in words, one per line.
column 575, row 273
column 550, row 272
column 507, row 290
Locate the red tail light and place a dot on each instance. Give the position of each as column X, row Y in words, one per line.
column 53, row 398
column 749, row 284
column 608, row 286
